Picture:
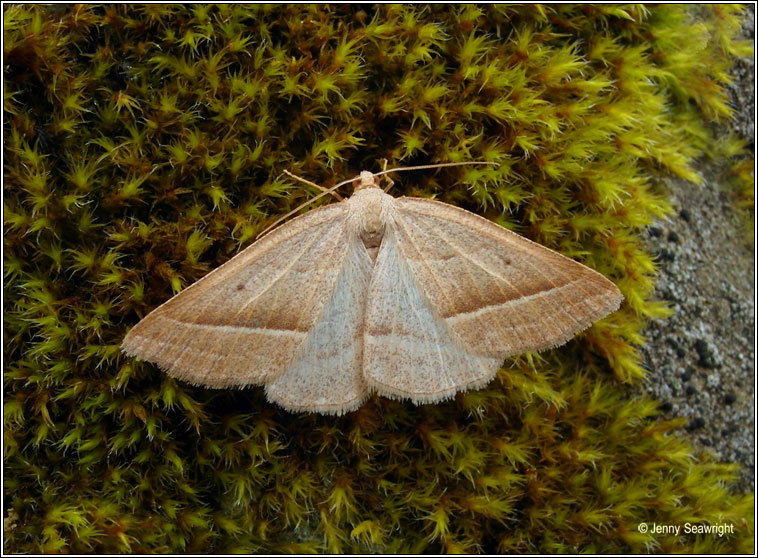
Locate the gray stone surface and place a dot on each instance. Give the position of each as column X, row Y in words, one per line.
column 701, row 360
column 743, row 88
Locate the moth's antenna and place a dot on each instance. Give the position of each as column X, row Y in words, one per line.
column 324, row 192
column 331, row 191
column 418, row 167
column 437, row 166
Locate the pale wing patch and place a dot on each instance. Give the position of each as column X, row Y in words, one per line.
column 326, row 374
column 499, row 293
column 409, row 352
column 244, row 322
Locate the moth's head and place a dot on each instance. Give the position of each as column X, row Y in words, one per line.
column 365, row 180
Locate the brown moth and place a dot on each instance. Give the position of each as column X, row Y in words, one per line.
column 405, row 297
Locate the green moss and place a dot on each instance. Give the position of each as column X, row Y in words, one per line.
column 145, row 146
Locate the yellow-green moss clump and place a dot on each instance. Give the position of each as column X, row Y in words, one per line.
column 145, row 146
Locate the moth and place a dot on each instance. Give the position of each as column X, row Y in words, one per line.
column 405, row 297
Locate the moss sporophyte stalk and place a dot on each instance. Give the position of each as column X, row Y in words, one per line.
column 145, row 146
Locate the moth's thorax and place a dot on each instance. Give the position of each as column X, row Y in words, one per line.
column 369, row 210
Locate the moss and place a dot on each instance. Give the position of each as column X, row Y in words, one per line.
column 145, row 146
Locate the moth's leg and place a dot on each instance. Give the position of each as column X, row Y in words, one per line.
column 309, row 183
column 390, row 182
